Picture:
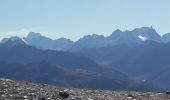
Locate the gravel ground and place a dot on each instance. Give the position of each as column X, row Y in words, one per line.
column 16, row 90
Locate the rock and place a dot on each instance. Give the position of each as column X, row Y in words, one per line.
column 63, row 94
column 42, row 98
column 168, row 92
column 130, row 96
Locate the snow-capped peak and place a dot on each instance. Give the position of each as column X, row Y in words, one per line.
column 142, row 38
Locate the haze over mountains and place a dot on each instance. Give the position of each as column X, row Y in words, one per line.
column 136, row 60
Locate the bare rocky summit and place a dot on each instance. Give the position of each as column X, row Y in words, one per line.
column 17, row 90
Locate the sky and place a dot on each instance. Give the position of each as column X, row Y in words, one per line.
column 76, row 18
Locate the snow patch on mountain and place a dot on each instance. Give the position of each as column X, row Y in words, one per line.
column 142, row 38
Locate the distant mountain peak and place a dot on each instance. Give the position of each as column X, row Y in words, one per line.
column 33, row 34
column 147, row 32
column 63, row 39
column 145, row 29
column 14, row 38
column 88, row 38
column 117, row 31
column 43, row 42
column 12, row 41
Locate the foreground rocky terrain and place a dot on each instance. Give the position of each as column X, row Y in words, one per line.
column 17, row 90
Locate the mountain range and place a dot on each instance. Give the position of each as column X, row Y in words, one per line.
column 23, row 62
column 136, row 60
column 117, row 37
column 148, row 61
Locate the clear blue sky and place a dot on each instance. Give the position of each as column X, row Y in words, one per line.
column 75, row 18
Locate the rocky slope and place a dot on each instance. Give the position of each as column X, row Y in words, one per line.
column 16, row 90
